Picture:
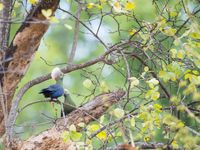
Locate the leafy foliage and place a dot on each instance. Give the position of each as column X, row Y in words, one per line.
column 157, row 63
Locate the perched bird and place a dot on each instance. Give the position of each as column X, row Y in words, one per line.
column 56, row 90
column 53, row 91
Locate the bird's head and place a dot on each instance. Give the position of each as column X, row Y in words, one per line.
column 57, row 74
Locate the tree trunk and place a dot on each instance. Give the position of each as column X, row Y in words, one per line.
column 17, row 58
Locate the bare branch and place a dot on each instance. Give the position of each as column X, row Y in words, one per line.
column 76, row 31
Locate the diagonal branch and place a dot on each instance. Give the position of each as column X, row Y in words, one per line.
column 87, row 113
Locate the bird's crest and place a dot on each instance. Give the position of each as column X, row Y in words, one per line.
column 56, row 73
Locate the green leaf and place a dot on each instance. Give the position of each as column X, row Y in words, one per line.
column 119, row 113
column 87, row 83
column 65, row 136
column 75, row 136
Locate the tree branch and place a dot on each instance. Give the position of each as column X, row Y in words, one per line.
column 76, row 31
column 87, row 113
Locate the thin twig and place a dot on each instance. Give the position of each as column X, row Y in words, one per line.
column 76, row 31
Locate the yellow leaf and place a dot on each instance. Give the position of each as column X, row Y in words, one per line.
column 146, row 69
column 93, row 127
column 173, row 14
column 117, row 6
column 102, row 135
column 54, row 19
column 146, row 138
column 168, row 31
column 181, row 54
column 132, row 32
column 130, row 5
column 47, row 13
column 65, row 136
column 157, row 107
column 195, row 35
column 90, row 5
column 33, row 2
column 155, row 95
column 1, row 6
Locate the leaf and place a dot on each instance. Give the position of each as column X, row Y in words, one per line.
column 68, row 26
column 154, row 81
column 81, row 124
column 75, row 136
column 173, row 14
column 93, row 127
column 157, row 107
column 134, row 81
column 102, row 119
column 1, row 6
column 54, row 19
column 102, row 135
column 131, row 32
column 146, row 69
column 47, row 13
column 65, row 136
column 72, row 127
column 180, row 54
column 168, row 31
column 119, row 113
column 104, row 87
column 173, row 53
column 90, row 5
column 130, row 6
column 33, row 2
column 87, row 83
column 194, row 35
column 117, row 7
column 155, row 95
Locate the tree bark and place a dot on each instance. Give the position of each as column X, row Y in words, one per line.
column 51, row 139
column 5, row 24
column 17, row 58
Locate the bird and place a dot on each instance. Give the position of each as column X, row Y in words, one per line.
column 56, row 90
column 53, row 91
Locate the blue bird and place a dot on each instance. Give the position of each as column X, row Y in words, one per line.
column 53, row 91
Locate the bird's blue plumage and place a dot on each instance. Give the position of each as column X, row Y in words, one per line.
column 53, row 91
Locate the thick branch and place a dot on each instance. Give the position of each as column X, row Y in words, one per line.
column 13, row 112
column 51, row 139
